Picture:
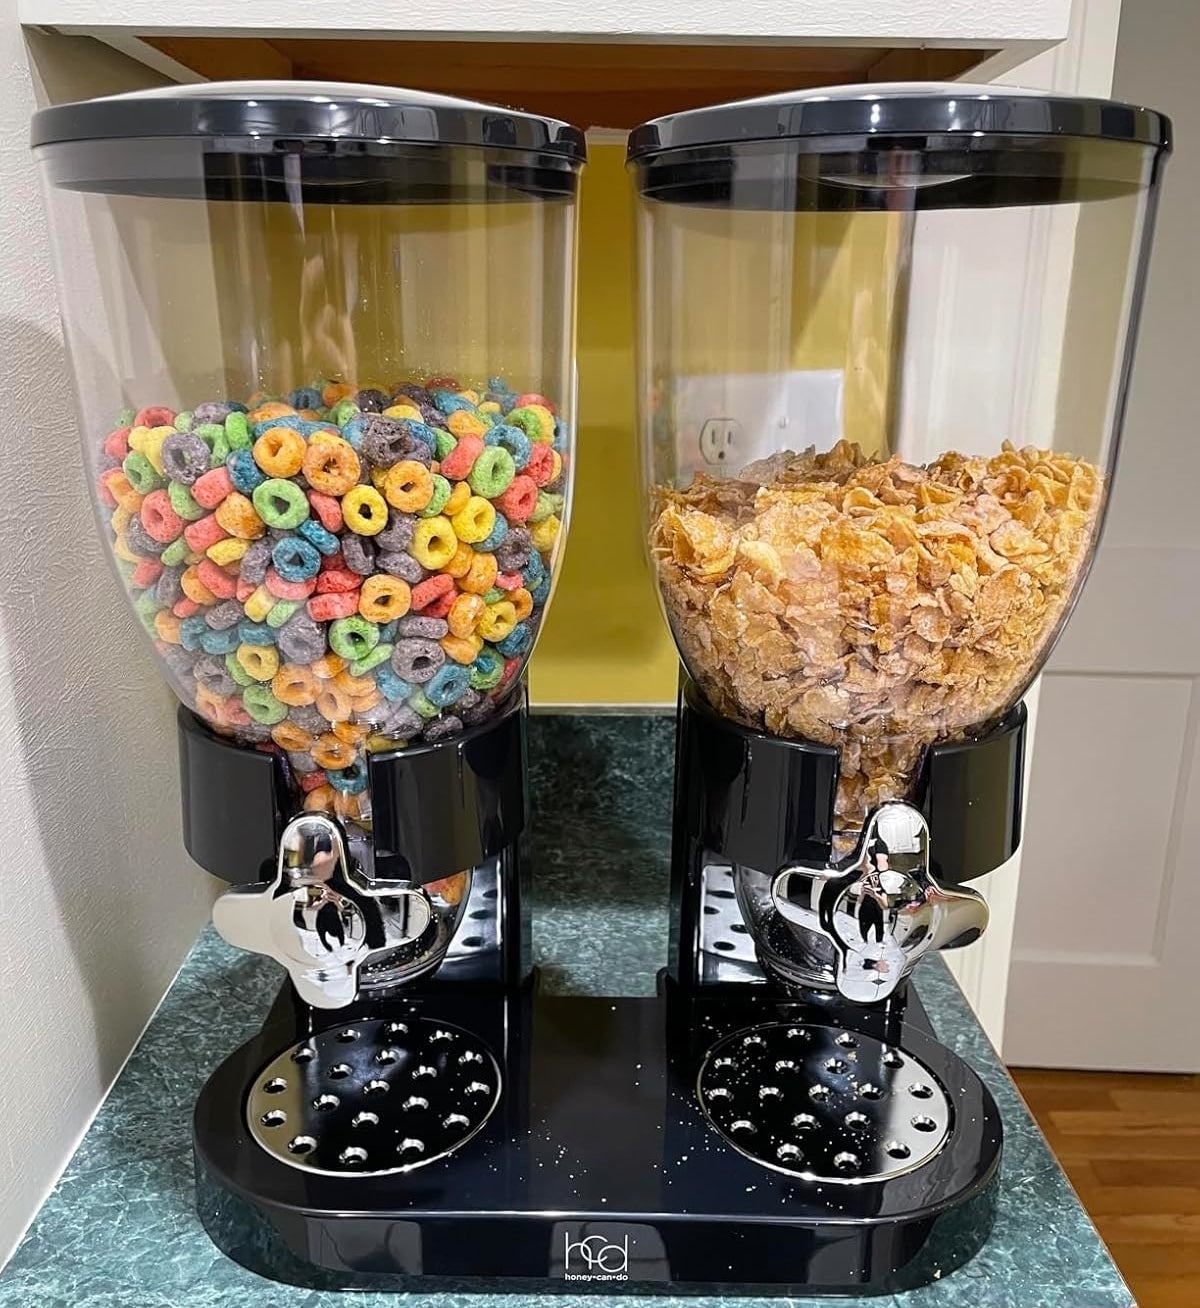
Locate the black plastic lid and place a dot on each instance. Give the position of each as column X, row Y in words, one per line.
column 936, row 109
column 306, row 111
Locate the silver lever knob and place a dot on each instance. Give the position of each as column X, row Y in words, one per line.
column 321, row 917
column 881, row 908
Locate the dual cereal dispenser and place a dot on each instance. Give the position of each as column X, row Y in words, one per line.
column 323, row 344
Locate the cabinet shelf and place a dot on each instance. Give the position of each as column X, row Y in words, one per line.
column 601, row 66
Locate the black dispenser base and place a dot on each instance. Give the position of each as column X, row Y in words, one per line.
column 597, row 1171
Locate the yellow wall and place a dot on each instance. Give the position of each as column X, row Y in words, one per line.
column 605, row 641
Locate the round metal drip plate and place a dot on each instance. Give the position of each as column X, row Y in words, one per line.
column 374, row 1097
column 823, row 1103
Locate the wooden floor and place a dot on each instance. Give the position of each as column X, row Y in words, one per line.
column 1131, row 1147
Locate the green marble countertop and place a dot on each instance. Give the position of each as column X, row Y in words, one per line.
column 119, row 1230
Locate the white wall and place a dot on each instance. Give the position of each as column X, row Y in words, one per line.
column 98, row 902
column 1103, row 971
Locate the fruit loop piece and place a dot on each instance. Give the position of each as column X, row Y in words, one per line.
column 185, row 457
column 545, row 533
column 448, row 685
column 535, row 420
column 330, row 607
column 287, row 735
column 216, row 579
column 482, row 575
column 519, row 500
column 328, row 510
column 331, row 465
column 279, row 588
column 243, row 471
column 261, row 662
column 336, row 580
column 295, row 559
column 408, row 486
column 514, row 440
column 262, row 706
column 183, row 502
column 294, row 684
column 351, row 780
column 462, row 423
column 458, row 462
column 159, row 518
column 460, row 564
column 465, row 613
column 516, row 642
column 316, row 535
column 238, row 516
column 540, row 465
column 280, row 504
column 492, row 472
column 434, row 543
column 212, row 488
column 474, row 521
column 354, row 637
column 330, row 752
column 462, row 649
column 383, row 598
column 430, row 591
column 496, row 623
column 333, row 704
column 279, row 452
column 364, row 511
column 417, row 660
column 522, row 603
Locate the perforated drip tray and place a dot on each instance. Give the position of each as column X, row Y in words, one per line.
column 823, row 1103
column 374, row 1097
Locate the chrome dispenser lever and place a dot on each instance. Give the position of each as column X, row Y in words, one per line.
column 321, row 917
column 881, row 908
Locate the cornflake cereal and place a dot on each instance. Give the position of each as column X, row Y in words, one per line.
column 873, row 605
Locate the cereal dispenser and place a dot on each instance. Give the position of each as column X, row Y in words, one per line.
column 322, row 338
column 886, row 334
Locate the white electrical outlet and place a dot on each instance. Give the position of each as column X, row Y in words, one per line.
column 725, row 421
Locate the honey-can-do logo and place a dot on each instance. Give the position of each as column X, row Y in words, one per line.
column 595, row 1258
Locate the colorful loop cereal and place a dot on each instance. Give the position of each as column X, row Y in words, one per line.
column 295, row 559
column 281, row 504
column 492, row 472
column 474, row 521
column 384, row 598
column 364, row 511
column 408, row 486
column 458, row 462
column 498, row 620
column 262, row 705
column 331, row 465
column 279, row 452
column 185, row 457
column 519, row 500
column 434, row 542
column 326, row 585
column 294, row 685
column 417, row 660
column 258, row 661
column 353, row 638
column 159, row 517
